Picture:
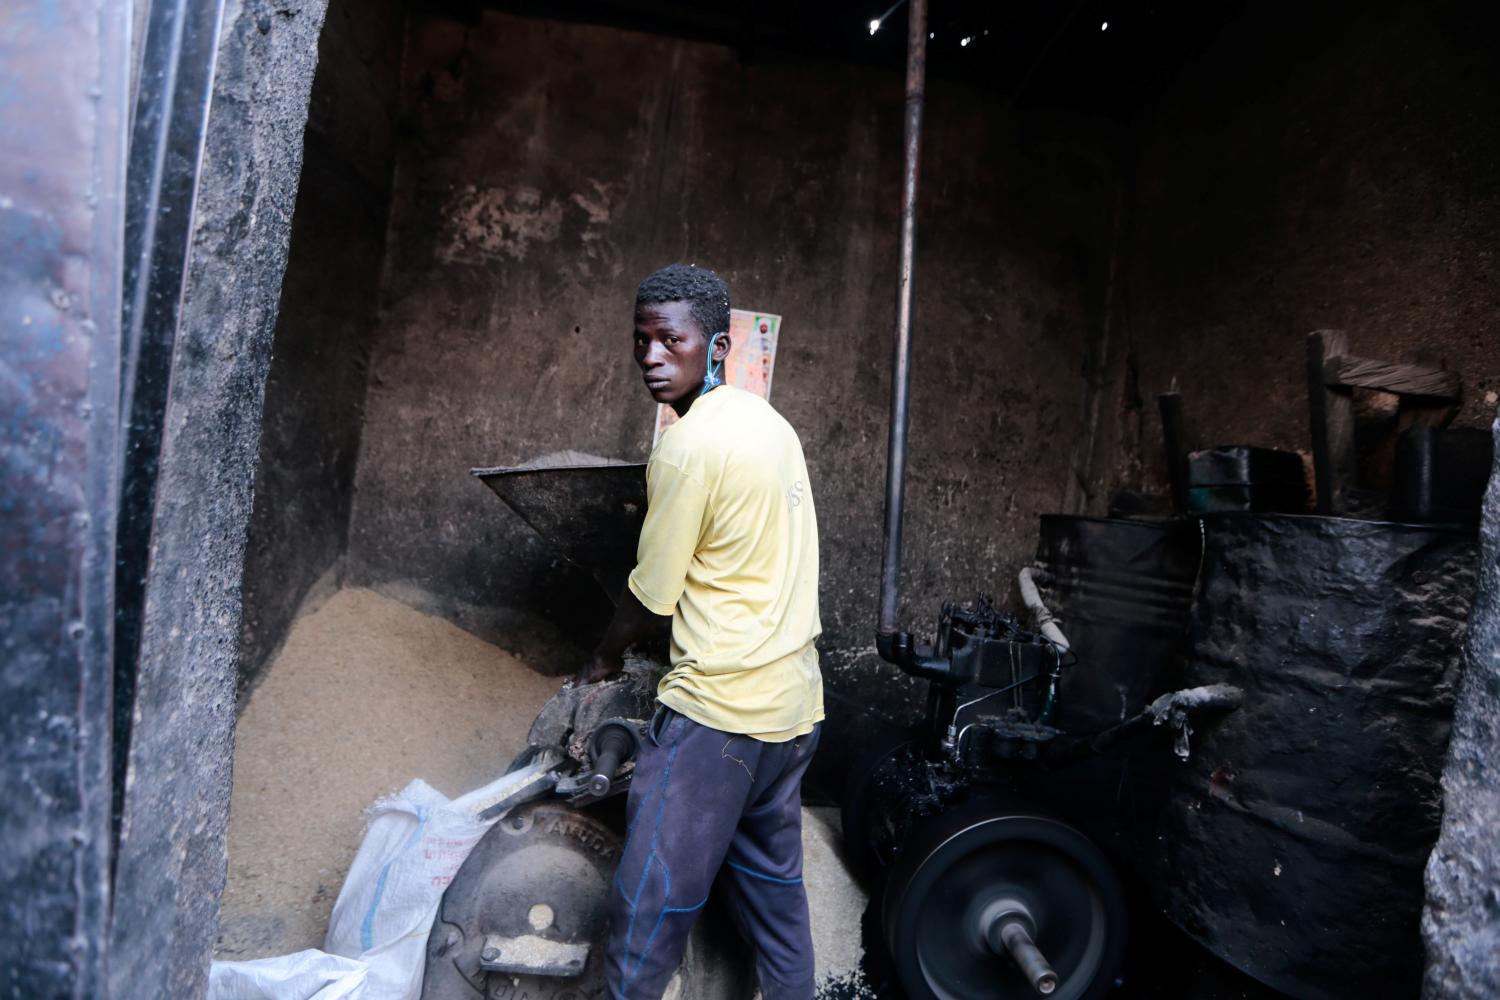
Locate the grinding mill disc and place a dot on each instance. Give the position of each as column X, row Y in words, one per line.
column 531, row 894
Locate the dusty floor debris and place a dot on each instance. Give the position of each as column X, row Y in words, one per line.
column 366, row 695
column 835, row 899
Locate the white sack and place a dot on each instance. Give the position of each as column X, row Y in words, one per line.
column 414, row 845
column 306, row 975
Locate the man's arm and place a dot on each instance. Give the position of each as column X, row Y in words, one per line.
column 676, row 505
column 631, row 624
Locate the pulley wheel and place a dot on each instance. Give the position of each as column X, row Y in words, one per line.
column 965, row 881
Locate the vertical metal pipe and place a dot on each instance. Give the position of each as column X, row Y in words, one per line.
column 895, row 476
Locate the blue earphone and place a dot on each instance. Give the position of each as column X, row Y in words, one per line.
column 710, row 379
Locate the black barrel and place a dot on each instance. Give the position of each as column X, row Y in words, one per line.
column 1123, row 590
column 1441, row 474
column 1295, row 837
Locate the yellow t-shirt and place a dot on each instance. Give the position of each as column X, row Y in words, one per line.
column 730, row 550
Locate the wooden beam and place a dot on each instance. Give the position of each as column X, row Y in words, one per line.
column 1407, row 380
column 1170, row 404
column 1331, row 408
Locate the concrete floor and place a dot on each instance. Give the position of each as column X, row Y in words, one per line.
column 365, row 695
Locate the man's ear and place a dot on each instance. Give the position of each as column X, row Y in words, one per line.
column 721, row 347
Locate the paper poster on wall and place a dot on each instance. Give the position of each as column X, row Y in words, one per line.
column 752, row 358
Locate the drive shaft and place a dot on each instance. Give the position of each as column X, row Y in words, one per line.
column 1012, row 936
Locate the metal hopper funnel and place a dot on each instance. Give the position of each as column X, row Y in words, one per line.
column 590, row 509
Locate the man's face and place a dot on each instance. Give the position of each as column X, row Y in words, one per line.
column 672, row 350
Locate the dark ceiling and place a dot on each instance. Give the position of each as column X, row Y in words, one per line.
column 1099, row 56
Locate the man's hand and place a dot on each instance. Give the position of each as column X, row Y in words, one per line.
column 631, row 624
column 597, row 669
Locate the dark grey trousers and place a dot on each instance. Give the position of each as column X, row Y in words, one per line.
column 706, row 805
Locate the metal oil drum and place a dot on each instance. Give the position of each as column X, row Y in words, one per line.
column 1122, row 590
column 1295, row 835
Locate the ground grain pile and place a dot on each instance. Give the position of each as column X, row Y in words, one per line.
column 366, row 695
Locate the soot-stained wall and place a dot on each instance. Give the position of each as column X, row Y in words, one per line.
column 1336, row 173
column 315, row 390
column 545, row 168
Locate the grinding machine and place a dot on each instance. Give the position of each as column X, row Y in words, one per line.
column 986, row 893
column 524, row 916
column 981, row 891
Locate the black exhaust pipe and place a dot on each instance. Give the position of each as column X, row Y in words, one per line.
column 892, row 644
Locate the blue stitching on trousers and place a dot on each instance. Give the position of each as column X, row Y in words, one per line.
column 661, row 808
column 766, row 878
column 660, row 918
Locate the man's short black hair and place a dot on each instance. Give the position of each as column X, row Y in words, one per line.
column 704, row 290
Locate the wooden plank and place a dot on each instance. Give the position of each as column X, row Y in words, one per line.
column 1170, row 404
column 1331, row 409
column 1407, row 380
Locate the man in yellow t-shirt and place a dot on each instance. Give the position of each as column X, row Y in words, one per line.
column 729, row 556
